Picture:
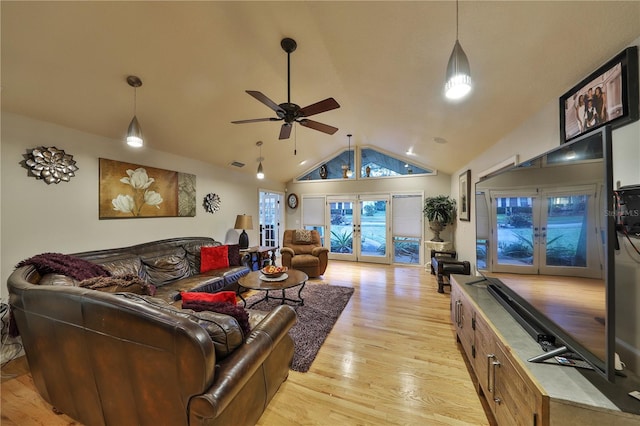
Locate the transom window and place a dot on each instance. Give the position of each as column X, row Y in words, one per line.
column 371, row 163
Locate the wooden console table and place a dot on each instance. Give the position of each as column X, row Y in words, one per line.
column 259, row 254
column 517, row 391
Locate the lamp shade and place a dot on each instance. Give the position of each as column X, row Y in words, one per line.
column 243, row 221
column 134, row 133
column 260, row 174
column 458, row 74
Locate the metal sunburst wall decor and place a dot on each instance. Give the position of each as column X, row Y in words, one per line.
column 211, row 203
column 50, row 164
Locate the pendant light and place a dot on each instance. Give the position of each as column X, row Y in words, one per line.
column 458, row 83
column 134, row 133
column 260, row 174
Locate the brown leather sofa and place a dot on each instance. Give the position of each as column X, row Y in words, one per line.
column 107, row 359
column 304, row 251
column 171, row 265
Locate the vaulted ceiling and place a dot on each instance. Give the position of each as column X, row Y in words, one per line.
column 384, row 62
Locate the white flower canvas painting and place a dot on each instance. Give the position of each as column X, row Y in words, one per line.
column 133, row 191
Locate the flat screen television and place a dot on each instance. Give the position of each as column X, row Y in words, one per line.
column 545, row 235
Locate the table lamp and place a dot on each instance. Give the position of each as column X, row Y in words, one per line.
column 243, row 222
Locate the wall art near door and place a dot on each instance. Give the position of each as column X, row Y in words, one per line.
column 464, row 198
column 133, row 191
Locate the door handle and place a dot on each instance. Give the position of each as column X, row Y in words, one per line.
column 493, row 373
column 489, row 358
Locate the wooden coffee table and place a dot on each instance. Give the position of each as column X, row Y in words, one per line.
column 294, row 278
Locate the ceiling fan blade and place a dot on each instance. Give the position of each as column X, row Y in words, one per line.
column 263, row 98
column 256, row 120
column 322, row 106
column 285, row 131
column 318, row 126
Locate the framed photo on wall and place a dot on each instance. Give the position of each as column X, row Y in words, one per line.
column 609, row 95
column 464, row 197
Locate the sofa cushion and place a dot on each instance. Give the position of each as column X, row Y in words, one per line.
column 166, row 266
column 224, row 330
column 58, row 263
column 129, row 283
column 234, row 273
column 212, row 258
column 209, row 282
column 122, row 265
column 234, row 255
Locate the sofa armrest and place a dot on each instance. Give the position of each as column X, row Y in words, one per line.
column 235, row 370
column 287, row 254
column 317, row 251
column 287, row 250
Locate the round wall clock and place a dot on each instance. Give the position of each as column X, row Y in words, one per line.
column 211, row 203
column 292, row 201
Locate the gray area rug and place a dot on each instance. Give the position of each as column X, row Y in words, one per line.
column 323, row 304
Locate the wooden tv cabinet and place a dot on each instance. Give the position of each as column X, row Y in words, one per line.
column 519, row 392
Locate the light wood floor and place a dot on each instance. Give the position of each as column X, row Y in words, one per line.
column 391, row 359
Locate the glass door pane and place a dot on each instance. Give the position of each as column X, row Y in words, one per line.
column 341, row 229
column 569, row 225
column 517, row 232
column 269, row 219
column 372, row 230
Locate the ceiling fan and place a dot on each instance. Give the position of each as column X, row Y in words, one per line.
column 290, row 112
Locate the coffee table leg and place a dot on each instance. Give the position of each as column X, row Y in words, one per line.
column 300, row 294
column 244, row 302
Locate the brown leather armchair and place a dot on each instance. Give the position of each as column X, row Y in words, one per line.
column 445, row 263
column 303, row 250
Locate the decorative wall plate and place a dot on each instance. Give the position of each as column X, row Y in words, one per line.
column 50, row 164
column 211, row 203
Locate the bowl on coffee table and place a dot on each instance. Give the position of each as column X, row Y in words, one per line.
column 271, row 271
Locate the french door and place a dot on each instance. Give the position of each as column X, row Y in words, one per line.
column 359, row 228
column 546, row 232
column 270, row 218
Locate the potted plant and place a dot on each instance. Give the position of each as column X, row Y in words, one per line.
column 440, row 211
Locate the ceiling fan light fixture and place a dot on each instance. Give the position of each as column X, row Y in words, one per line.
column 289, row 112
column 458, row 78
column 134, row 132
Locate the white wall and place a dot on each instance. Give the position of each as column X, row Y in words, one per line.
column 63, row 217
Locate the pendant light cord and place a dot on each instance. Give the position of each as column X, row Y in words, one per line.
column 456, row 20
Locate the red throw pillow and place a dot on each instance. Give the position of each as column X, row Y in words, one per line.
column 213, row 257
column 221, row 296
